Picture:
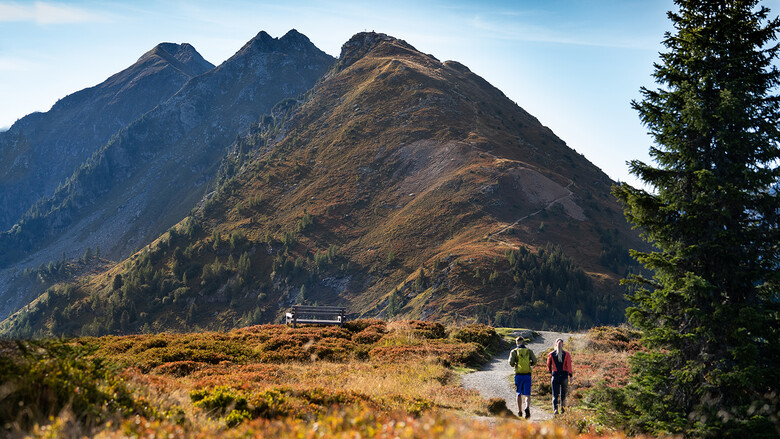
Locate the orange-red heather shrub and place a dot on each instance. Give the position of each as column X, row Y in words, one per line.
column 377, row 379
column 482, row 335
column 614, row 338
column 445, row 351
column 360, row 422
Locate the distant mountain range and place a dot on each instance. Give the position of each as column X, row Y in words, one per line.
column 155, row 168
column 386, row 181
column 42, row 149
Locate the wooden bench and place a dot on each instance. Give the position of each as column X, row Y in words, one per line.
column 321, row 315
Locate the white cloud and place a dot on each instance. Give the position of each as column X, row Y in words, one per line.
column 573, row 34
column 15, row 65
column 46, row 13
column 15, row 12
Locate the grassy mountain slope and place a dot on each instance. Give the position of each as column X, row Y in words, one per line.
column 398, row 186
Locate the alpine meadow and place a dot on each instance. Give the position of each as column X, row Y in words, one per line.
column 293, row 244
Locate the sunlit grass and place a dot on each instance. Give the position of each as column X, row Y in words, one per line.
column 508, row 334
column 243, row 394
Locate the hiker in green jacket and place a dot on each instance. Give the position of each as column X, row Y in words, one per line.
column 522, row 358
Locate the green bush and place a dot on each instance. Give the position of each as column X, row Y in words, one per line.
column 236, row 417
column 41, row 378
column 483, row 335
column 221, row 400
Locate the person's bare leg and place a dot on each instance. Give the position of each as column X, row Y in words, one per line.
column 527, row 399
column 520, row 405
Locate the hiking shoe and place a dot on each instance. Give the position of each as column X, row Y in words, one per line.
column 527, row 413
column 563, row 410
column 555, row 413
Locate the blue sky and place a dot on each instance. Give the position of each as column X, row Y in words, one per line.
column 574, row 64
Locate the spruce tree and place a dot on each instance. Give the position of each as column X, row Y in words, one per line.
column 709, row 313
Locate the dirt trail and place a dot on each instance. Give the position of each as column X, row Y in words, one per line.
column 495, row 379
column 492, row 236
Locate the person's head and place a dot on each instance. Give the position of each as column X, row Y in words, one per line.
column 559, row 343
column 519, row 341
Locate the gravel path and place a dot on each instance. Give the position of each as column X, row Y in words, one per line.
column 496, row 379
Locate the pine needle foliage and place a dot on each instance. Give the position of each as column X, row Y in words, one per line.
column 710, row 311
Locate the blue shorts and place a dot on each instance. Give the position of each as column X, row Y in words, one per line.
column 523, row 384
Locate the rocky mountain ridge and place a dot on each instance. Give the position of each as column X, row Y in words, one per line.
column 398, row 186
column 152, row 172
column 41, row 150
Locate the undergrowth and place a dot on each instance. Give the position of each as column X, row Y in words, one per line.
column 41, row 379
column 369, row 379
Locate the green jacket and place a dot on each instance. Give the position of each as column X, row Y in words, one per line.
column 522, row 358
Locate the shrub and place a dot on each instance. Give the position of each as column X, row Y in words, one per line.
column 221, row 400
column 270, row 403
column 612, row 338
column 363, row 324
column 236, row 417
column 178, row 368
column 325, row 398
column 368, row 336
column 307, row 344
column 445, row 351
column 427, row 330
column 417, row 406
column 483, row 335
column 497, row 406
column 368, row 331
column 41, row 378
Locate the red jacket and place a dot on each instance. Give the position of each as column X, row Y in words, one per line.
column 552, row 367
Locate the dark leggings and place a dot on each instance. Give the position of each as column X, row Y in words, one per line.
column 560, row 384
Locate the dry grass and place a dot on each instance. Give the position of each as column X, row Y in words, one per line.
column 362, row 424
column 416, row 397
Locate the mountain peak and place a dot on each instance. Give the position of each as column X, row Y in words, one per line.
column 170, row 48
column 295, row 40
column 364, row 42
column 163, row 50
column 367, row 39
column 263, row 36
column 261, row 42
column 183, row 57
column 293, row 34
column 265, row 43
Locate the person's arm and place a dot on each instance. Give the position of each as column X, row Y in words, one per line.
column 567, row 365
column 533, row 357
column 549, row 363
column 513, row 358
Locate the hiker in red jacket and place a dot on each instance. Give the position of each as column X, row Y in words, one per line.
column 559, row 365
